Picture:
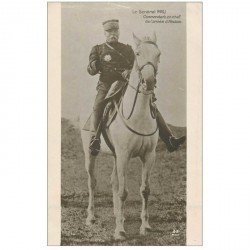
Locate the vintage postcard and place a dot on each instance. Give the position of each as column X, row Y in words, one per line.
column 125, row 123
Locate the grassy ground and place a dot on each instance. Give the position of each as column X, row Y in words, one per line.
column 167, row 201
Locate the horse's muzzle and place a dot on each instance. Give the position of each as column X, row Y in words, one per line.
column 150, row 83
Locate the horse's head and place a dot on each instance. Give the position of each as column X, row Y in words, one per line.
column 147, row 59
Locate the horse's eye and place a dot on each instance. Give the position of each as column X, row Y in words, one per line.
column 137, row 53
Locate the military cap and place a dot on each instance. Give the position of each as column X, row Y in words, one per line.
column 111, row 24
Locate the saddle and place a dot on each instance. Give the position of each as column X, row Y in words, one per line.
column 114, row 96
column 115, row 93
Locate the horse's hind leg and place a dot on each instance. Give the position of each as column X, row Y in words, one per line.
column 148, row 163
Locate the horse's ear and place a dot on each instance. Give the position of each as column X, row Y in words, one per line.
column 137, row 40
column 154, row 39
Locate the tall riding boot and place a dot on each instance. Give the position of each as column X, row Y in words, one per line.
column 95, row 143
column 172, row 143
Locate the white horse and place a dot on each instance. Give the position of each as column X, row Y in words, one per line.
column 133, row 137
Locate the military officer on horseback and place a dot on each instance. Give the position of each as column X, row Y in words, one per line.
column 114, row 61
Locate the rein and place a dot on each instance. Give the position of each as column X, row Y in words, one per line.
column 136, row 94
column 129, row 128
column 150, row 92
column 138, row 86
column 135, row 99
column 137, row 90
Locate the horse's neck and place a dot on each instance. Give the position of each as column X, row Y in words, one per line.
column 142, row 105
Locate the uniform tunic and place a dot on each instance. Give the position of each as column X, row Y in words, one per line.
column 110, row 63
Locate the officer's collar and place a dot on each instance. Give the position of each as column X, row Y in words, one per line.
column 112, row 43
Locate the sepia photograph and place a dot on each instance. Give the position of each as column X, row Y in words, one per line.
column 117, row 122
column 123, row 130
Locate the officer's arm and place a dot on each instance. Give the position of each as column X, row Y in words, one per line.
column 94, row 61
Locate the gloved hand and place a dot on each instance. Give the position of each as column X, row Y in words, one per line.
column 126, row 74
column 95, row 66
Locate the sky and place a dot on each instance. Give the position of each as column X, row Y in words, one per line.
column 82, row 29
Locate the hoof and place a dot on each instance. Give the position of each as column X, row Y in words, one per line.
column 90, row 221
column 145, row 230
column 120, row 235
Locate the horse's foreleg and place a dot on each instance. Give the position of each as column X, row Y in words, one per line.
column 122, row 162
column 90, row 167
column 148, row 163
column 115, row 187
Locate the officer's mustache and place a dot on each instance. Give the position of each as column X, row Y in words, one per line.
column 113, row 36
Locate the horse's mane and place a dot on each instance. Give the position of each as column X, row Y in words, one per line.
column 146, row 39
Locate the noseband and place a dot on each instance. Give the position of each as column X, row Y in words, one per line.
column 148, row 63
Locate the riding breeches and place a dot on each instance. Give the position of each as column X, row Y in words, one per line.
column 99, row 104
column 98, row 108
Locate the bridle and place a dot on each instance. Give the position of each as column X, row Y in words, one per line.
column 148, row 63
column 140, row 68
column 144, row 91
